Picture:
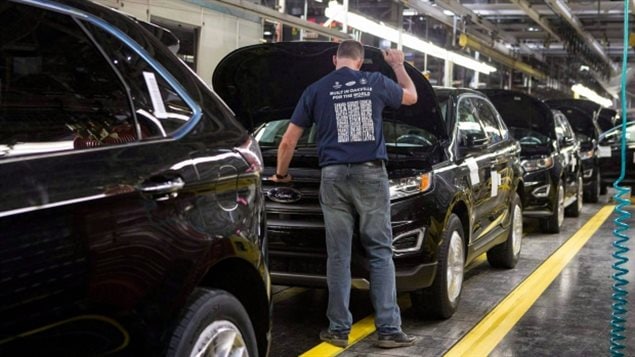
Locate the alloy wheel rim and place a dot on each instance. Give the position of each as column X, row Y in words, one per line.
column 517, row 230
column 560, row 206
column 456, row 263
column 220, row 338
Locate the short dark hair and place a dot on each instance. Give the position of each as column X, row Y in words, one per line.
column 350, row 49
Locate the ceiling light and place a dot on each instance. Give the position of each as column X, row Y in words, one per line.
column 336, row 12
column 448, row 12
column 591, row 95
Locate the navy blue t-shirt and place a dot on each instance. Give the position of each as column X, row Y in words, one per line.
column 346, row 106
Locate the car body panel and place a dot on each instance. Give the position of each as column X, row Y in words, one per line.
column 106, row 240
column 295, row 225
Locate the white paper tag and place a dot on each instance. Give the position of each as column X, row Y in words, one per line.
column 473, row 166
column 155, row 95
column 604, row 151
column 496, row 181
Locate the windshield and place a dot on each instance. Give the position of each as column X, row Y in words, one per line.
column 529, row 137
column 613, row 136
column 397, row 135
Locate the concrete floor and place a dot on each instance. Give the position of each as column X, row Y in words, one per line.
column 571, row 317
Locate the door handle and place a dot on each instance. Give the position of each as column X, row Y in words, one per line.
column 168, row 186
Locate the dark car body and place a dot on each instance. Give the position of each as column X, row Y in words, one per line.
column 610, row 156
column 429, row 174
column 550, row 156
column 606, row 118
column 131, row 195
column 588, row 133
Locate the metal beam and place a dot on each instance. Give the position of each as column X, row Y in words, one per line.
column 272, row 14
column 484, row 49
column 564, row 11
column 462, row 11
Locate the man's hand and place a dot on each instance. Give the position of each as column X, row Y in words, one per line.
column 275, row 178
column 393, row 57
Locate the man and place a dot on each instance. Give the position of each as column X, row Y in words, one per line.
column 346, row 106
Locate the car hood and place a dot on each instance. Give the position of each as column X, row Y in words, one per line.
column 263, row 83
column 605, row 117
column 520, row 110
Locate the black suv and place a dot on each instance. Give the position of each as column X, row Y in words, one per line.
column 132, row 213
column 605, row 118
column 550, row 157
column 454, row 175
column 610, row 156
column 588, row 133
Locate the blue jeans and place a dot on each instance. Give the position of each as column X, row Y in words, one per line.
column 345, row 190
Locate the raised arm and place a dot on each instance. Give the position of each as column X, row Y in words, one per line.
column 395, row 58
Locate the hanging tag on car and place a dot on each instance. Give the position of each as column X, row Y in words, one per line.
column 496, row 180
column 473, row 166
column 604, row 151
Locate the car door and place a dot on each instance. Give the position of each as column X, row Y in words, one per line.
column 500, row 154
column 569, row 151
column 101, row 203
column 472, row 145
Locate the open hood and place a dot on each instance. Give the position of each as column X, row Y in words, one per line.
column 605, row 117
column 263, row 83
column 520, row 110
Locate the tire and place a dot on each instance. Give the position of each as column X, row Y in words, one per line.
column 506, row 254
column 442, row 298
column 554, row 222
column 593, row 194
column 213, row 321
column 575, row 208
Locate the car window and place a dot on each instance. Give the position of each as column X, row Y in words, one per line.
column 489, row 119
column 396, row 134
column 467, row 121
column 529, row 137
column 159, row 108
column 57, row 92
column 614, row 136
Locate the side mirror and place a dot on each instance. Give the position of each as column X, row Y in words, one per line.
column 471, row 140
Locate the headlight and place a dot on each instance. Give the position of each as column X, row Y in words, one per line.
column 586, row 154
column 408, row 186
column 537, row 164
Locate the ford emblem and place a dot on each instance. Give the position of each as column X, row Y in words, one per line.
column 284, row 195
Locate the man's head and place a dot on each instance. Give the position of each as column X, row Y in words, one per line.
column 350, row 53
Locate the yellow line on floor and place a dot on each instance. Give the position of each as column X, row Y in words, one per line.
column 366, row 326
column 484, row 337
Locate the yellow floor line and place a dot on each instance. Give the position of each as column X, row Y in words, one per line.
column 484, row 337
column 366, row 326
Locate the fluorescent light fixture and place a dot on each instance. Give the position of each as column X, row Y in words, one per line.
column 336, row 12
column 591, row 95
column 448, row 12
column 584, row 68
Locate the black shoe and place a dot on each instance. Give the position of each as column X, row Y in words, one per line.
column 398, row 339
column 338, row 339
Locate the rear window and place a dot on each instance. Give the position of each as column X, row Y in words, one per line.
column 397, row 135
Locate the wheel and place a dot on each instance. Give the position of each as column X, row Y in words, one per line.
column 575, row 208
column 506, row 254
column 213, row 323
column 593, row 194
column 442, row 298
column 553, row 223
